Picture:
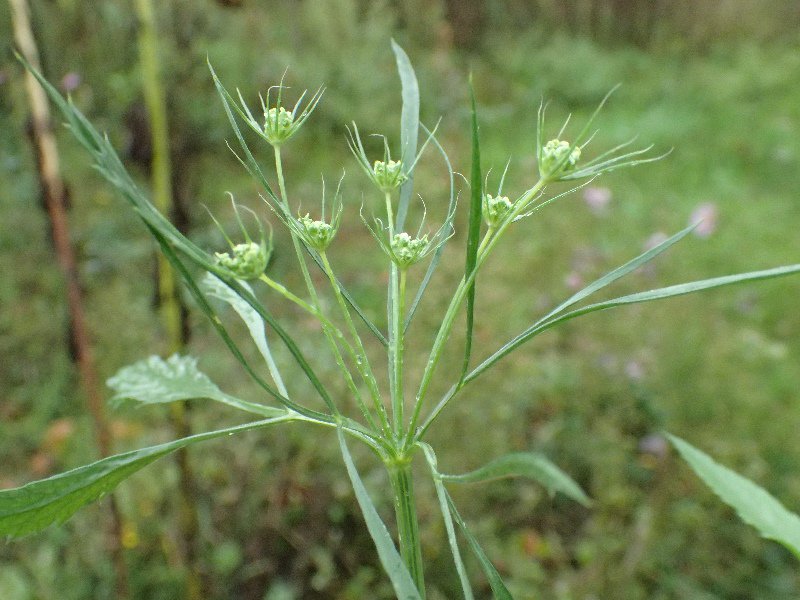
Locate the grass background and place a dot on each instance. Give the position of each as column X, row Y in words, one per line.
column 717, row 81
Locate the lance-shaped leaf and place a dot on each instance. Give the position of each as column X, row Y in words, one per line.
column 51, row 501
column 157, row 381
column 446, row 226
column 409, row 126
column 525, row 464
column 754, row 505
column 474, row 233
column 499, row 589
column 444, row 506
column 255, row 324
column 390, row 558
column 657, row 294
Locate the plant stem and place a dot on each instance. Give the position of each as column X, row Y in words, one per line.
column 362, row 362
column 395, row 333
column 398, row 306
column 407, row 520
column 312, row 291
column 485, row 248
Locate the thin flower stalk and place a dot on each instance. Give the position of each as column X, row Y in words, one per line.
column 327, row 332
column 487, row 244
column 359, row 355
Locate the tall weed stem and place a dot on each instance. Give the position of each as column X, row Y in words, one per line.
column 487, row 244
column 407, row 520
column 359, row 355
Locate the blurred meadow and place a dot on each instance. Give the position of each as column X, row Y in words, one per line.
column 716, row 81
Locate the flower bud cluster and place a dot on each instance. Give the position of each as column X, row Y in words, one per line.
column 246, row 261
column 388, row 175
column 278, row 125
column 317, row 234
column 407, row 250
column 495, row 209
column 558, row 158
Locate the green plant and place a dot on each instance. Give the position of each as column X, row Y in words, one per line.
column 754, row 505
column 390, row 425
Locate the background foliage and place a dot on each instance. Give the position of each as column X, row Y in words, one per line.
column 712, row 79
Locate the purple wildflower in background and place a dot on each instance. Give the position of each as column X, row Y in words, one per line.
column 707, row 214
column 574, row 281
column 70, row 81
column 654, row 240
column 597, row 199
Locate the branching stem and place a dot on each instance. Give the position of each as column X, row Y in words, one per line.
column 359, row 355
column 487, row 244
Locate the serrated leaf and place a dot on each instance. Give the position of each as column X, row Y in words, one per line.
column 51, row 501
column 390, row 558
column 158, row 381
column 525, row 464
column 754, row 505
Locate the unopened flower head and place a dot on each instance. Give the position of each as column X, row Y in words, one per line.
column 558, row 158
column 388, row 175
column 249, row 259
column 407, row 250
column 495, row 209
column 317, row 234
column 278, row 124
column 246, row 261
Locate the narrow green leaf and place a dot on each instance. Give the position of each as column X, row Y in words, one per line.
column 657, row 294
column 754, row 505
column 157, row 381
column 51, row 501
column 474, row 233
column 620, row 272
column 409, row 127
column 444, row 506
column 451, row 211
column 390, row 558
column 110, row 166
column 217, row 288
column 499, row 589
column 525, row 464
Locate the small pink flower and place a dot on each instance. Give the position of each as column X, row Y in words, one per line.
column 707, row 214
column 634, row 370
column 654, row 240
column 574, row 281
column 655, row 445
column 70, row 81
column 597, row 199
